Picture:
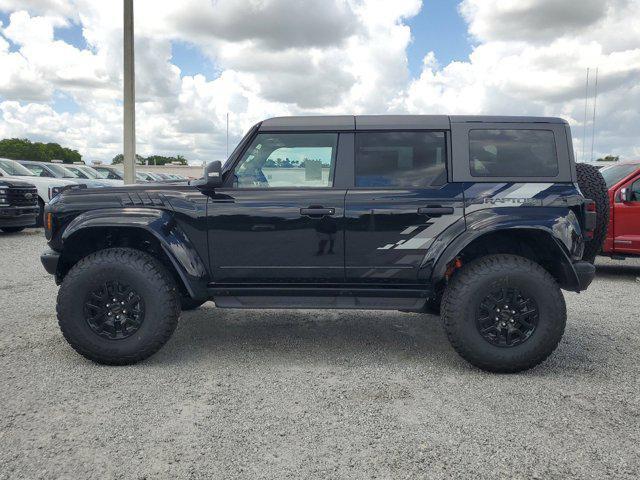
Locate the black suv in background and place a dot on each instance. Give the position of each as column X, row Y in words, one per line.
column 479, row 218
column 18, row 205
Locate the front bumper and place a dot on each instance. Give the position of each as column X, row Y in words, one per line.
column 585, row 272
column 18, row 216
column 50, row 259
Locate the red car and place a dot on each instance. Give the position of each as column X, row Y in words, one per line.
column 623, row 234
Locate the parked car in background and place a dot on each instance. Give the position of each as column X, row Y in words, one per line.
column 175, row 176
column 18, row 204
column 109, row 172
column 147, row 176
column 54, row 170
column 116, row 173
column 88, row 173
column 623, row 234
column 47, row 187
column 169, row 177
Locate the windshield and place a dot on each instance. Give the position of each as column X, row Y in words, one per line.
column 108, row 173
column 90, row 172
column 615, row 173
column 78, row 172
column 61, row 172
column 100, row 174
column 14, row 168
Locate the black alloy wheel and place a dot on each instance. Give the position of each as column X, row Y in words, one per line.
column 506, row 317
column 114, row 311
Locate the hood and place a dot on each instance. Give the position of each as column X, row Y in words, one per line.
column 45, row 181
column 14, row 182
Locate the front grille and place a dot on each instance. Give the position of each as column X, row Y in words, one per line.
column 18, row 196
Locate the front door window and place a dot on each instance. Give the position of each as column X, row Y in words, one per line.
column 288, row 160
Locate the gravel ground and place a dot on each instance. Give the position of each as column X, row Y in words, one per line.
column 299, row 394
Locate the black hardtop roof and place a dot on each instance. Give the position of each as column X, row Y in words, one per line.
column 385, row 122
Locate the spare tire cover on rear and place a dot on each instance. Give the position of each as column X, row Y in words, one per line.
column 593, row 187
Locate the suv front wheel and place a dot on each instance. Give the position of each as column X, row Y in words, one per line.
column 504, row 313
column 118, row 306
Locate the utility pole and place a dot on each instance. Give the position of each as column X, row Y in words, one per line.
column 227, row 135
column 129, row 96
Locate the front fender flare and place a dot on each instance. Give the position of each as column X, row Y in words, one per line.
column 161, row 225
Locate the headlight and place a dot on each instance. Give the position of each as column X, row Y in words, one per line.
column 3, row 195
column 53, row 191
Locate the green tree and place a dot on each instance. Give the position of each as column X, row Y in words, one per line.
column 608, row 158
column 25, row 149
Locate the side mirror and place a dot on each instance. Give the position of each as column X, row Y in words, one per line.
column 626, row 195
column 213, row 174
column 212, row 177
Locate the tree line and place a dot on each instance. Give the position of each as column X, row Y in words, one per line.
column 608, row 158
column 25, row 149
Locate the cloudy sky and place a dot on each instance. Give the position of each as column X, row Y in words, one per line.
column 196, row 60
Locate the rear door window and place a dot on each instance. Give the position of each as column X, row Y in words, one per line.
column 512, row 153
column 400, row 159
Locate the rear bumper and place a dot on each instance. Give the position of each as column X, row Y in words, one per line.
column 585, row 272
column 50, row 259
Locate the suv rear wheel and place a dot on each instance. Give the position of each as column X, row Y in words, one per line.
column 118, row 306
column 504, row 313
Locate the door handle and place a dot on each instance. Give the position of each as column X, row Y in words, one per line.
column 263, row 227
column 317, row 211
column 435, row 211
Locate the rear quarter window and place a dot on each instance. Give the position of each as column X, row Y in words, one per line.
column 512, row 153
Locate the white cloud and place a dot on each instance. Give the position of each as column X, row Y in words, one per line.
column 279, row 57
column 531, row 59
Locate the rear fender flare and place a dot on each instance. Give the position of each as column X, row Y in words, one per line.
column 569, row 277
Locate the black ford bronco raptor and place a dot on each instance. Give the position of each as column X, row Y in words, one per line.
column 479, row 218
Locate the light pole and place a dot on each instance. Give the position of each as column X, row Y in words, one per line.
column 129, row 96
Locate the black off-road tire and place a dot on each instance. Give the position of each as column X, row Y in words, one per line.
column 188, row 303
column 12, row 229
column 593, row 186
column 136, row 269
column 469, row 287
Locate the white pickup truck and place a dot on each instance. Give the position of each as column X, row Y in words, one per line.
column 47, row 187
